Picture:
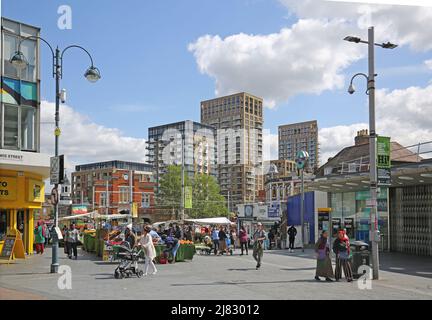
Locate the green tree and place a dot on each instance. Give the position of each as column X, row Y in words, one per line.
column 207, row 201
column 169, row 195
column 206, row 198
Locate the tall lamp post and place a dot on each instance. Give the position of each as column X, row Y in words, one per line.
column 92, row 74
column 301, row 161
column 374, row 233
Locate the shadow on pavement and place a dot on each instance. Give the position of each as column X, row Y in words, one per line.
column 222, row 283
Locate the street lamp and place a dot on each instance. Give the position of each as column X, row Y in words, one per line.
column 92, row 74
column 302, row 158
column 374, row 234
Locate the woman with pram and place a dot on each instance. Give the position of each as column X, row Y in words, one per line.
column 146, row 242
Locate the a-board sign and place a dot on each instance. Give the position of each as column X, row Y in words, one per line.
column 13, row 246
column 8, row 248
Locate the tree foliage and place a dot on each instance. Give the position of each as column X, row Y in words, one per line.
column 206, row 198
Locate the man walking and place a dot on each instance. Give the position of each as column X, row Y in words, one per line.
column 258, row 245
column 73, row 241
column 292, row 232
column 215, row 239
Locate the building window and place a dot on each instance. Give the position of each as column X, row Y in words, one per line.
column 9, row 48
column 145, row 200
column 27, row 128
column 28, row 48
column 103, row 199
column 124, row 194
column 10, row 129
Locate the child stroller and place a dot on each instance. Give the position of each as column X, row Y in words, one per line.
column 128, row 262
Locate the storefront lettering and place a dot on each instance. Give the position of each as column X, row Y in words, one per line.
column 7, row 188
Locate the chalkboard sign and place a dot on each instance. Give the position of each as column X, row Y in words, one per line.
column 8, row 248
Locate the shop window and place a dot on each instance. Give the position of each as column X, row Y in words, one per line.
column 3, row 224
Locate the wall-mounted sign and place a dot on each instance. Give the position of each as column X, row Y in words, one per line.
column 248, row 211
column 35, row 191
column 8, row 188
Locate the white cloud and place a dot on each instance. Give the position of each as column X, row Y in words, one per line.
column 405, row 25
column 307, row 58
column 270, row 145
column 84, row 141
column 428, row 63
column 404, row 115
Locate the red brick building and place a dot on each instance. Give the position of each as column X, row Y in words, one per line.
column 115, row 187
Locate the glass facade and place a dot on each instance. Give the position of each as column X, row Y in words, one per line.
column 350, row 210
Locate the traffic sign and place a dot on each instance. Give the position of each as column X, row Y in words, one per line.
column 57, row 132
column 57, row 170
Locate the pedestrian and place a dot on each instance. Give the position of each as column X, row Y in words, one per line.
column 39, row 238
column 172, row 246
column 222, row 240
column 243, row 240
column 258, row 245
column 65, row 240
column 46, row 234
column 292, row 232
column 271, row 237
column 341, row 247
column 178, row 233
column 233, row 238
column 146, row 242
column 130, row 237
column 215, row 239
column 73, row 234
column 324, row 266
column 188, row 234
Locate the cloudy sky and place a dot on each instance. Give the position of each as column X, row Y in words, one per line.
column 159, row 59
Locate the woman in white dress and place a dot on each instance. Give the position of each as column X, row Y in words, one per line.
column 146, row 242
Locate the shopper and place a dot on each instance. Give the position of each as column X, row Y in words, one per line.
column 130, row 238
column 233, row 238
column 149, row 251
column 222, row 240
column 73, row 234
column 65, row 240
column 341, row 247
column 258, row 245
column 39, row 238
column 324, row 266
column 271, row 238
column 243, row 240
column 46, row 234
column 292, row 232
column 215, row 239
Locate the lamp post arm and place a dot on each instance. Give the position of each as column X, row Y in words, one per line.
column 75, row 46
column 47, row 43
column 361, row 74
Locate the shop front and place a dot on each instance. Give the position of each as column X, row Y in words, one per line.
column 351, row 210
column 21, row 194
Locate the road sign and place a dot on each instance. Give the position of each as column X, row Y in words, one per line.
column 57, row 170
column 384, row 177
column 57, row 132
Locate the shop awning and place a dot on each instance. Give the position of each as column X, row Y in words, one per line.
column 220, row 221
column 112, row 216
column 92, row 215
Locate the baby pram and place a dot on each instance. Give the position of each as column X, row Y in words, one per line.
column 128, row 262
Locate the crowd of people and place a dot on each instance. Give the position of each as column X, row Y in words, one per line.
column 221, row 239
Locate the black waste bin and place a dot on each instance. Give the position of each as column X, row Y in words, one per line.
column 360, row 256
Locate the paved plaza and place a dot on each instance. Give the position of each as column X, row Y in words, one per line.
column 283, row 275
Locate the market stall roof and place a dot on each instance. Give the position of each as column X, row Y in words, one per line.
column 79, row 216
column 112, row 216
column 221, row 220
column 157, row 224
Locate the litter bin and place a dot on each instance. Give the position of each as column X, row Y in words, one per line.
column 360, row 256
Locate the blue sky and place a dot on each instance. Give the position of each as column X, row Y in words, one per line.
column 149, row 77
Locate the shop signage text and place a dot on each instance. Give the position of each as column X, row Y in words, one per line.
column 8, row 188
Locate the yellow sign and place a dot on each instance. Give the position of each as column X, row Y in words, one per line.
column 134, row 210
column 188, row 198
column 57, row 132
column 36, row 191
column 8, row 188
